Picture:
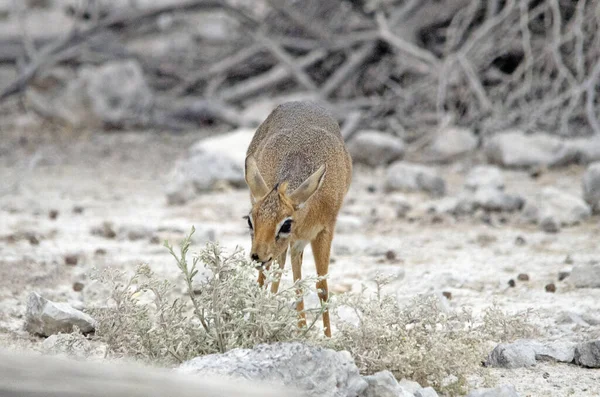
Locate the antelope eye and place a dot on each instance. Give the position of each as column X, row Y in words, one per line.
column 286, row 228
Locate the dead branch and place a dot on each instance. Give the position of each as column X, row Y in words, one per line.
column 193, row 111
column 286, row 60
column 48, row 54
column 351, row 124
column 222, row 66
column 405, row 67
column 268, row 79
column 590, row 106
column 300, row 19
column 355, row 60
column 475, row 83
column 427, row 59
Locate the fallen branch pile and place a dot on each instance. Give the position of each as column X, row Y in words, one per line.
column 404, row 66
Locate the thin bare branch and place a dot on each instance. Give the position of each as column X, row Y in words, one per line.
column 221, row 66
column 299, row 18
column 351, row 124
column 286, row 60
column 590, row 103
column 427, row 58
column 356, row 59
column 475, row 83
column 268, row 79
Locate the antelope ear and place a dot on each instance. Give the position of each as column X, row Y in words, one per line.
column 255, row 181
column 308, row 187
column 282, row 188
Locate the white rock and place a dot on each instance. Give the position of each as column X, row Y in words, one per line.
column 585, row 276
column 400, row 204
column 312, row 370
column 115, row 93
column 46, row 318
column 516, row 149
column 348, row 224
column 525, row 353
column 484, row 176
column 210, row 162
column 586, row 150
column 587, row 354
column 501, row 391
column 375, row 148
column 232, row 145
column 402, row 176
column 410, row 385
column 451, row 143
column 491, row 199
column 553, row 205
column 426, row 392
column 383, row 384
column 591, row 186
column 452, row 205
column 67, row 345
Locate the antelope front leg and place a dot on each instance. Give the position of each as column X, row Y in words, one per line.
column 296, row 254
column 321, row 247
column 281, row 261
column 261, row 275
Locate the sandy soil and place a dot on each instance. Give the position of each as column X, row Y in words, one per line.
column 54, row 192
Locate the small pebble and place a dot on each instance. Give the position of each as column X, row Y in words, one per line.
column 155, row 240
column 486, row 239
column 78, row 286
column 33, row 240
column 511, row 283
column 106, row 230
column 371, row 189
column 71, row 260
column 520, row 241
column 563, row 275
column 447, row 294
column 523, row 277
column 53, row 214
column 549, row 225
column 437, row 219
column 486, row 218
column 390, row 255
column 100, row 251
column 551, row 288
column 535, row 172
column 78, row 209
column 568, row 260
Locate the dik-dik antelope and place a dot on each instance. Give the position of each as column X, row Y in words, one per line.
column 298, row 171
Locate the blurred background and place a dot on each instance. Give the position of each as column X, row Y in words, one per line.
column 403, row 67
column 474, row 127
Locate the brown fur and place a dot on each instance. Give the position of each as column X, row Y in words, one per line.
column 297, row 166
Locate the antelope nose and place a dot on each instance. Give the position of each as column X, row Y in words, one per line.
column 254, row 257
